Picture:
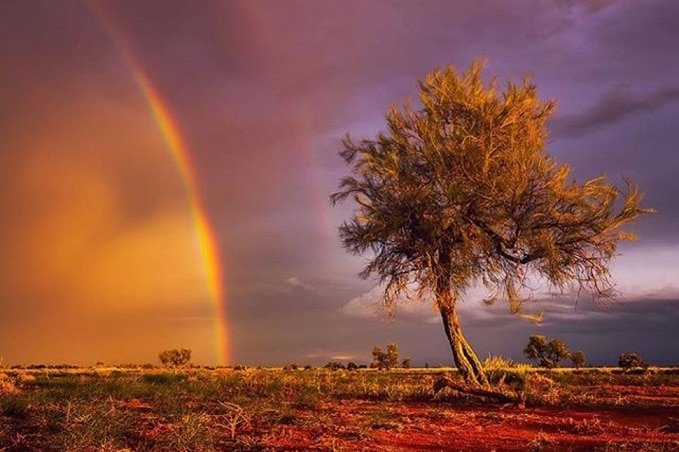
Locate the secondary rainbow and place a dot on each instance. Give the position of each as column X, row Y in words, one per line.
column 179, row 151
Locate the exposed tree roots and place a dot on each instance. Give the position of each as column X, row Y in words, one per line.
column 446, row 382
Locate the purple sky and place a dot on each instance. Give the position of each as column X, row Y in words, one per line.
column 97, row 250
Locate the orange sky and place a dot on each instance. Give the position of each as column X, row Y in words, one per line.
column 105, row 243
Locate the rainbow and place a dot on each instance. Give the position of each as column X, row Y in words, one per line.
column 179, row 151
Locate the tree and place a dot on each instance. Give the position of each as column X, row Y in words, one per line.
column 406, row 364
column 391, row 358
column 461, row 191
column 385, row 361
column 578, row 358
column 629, row 361
column 548, row 354
column 379, row 358
column 175, row 357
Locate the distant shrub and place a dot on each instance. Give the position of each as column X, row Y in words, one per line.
column 178, row 357
column 385, row 360
column 578, row 359
column 629, row 361
column 547, row 354
column 334, row 365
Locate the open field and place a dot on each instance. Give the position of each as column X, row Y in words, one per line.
column 107, row 409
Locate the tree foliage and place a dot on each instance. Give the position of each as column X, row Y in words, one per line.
column 547, row 354
column 629, row 361
column 175, row 358
column 385, row 360
column 460, row 191
column 578, row 358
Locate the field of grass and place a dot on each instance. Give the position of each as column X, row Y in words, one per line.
column 109, row 409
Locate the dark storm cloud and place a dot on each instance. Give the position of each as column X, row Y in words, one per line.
column 613, row 106
column 645, row 326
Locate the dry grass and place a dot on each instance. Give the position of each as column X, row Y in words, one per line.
column 255, row 409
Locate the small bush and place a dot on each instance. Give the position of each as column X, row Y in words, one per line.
column 541, row 390
column 385, row 360
column 7, row 385
column 503, row 371
column 175, row 358
column 630, row 361
column 547, row 354
column 578, row 359
column 334, row 365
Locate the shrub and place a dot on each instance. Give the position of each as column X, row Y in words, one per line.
column 578, row 358
column 175, row 358
column 547, row 354
column 385, row 360
column 629, row 361
column 503, row 371
column 541, row 390
column 7, row 385
column 333, row 365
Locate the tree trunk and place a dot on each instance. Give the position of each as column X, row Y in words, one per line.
column 467, row 362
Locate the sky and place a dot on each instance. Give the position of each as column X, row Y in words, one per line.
column 165, row 168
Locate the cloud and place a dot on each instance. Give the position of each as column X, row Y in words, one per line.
column 588, row 5
column 656, row 281
column 371, row 305
column 296, row 283
column 343, row 357
column 612, row 107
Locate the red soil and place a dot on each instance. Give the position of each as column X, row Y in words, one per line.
column 447, row 426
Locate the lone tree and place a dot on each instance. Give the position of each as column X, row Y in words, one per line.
column 461, row 191
column 578, row 358
column 385, row 361
column 630, row 361
column 547, row 354
column 178, row 357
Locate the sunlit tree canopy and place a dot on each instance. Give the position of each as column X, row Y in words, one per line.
column 459, row 190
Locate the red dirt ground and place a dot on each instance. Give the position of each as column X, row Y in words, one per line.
column 368, row 426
